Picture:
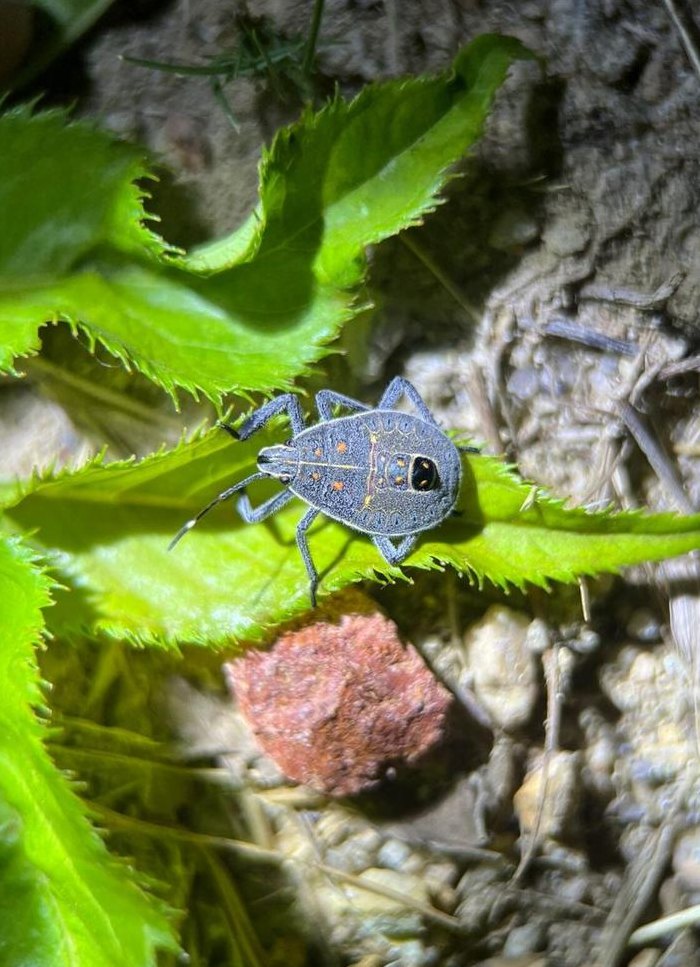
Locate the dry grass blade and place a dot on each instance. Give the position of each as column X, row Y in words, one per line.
column 262, row 854
column 659, row 460
column 557, row 667
column 685, row 32
column 642, row 881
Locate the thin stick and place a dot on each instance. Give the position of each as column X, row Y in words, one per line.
column 557, row 682
column 652, row 449
column 641, row 883
column 253, row 852
column 658, row 929
column 687, row 40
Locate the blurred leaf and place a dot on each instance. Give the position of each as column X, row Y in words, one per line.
column 63, row 899
column 269, row 299
column 107, row 529
column 68, row 20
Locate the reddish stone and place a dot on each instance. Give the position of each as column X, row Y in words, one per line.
column 338, row 703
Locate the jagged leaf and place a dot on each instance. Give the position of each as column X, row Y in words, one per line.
column 63, row 899
column 107, row 529
column 254, row 311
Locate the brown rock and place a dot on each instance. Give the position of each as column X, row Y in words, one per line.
column 338, row 704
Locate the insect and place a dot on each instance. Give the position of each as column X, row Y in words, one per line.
column 383, row 472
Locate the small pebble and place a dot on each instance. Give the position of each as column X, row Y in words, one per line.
column 561, row 801
column 686, row 859
column 525, row 939
column 567, row 234
column 375, row 903
column 644, row 626
column 393, row 854
column 645, row 958
column 502, row 665
column 586, row 642
column 440, row 874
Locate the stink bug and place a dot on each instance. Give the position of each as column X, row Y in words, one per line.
column 383, row 472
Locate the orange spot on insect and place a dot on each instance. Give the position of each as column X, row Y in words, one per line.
column 342, row 447
column 318, row 452
column 337, row 485
column 400, row 462
column 399, row 480
column 425, row 464
column 315, row 475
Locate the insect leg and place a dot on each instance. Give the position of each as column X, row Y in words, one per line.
column 393, row 553
column 326, row 399
column 229, row 429
column 399, row 387
column 252, row 515
column 224, row 495
column 286, row 403
column 303, row 546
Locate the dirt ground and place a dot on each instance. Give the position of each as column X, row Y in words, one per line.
column 550, row 309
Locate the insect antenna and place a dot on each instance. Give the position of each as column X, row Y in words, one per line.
column 224, row 495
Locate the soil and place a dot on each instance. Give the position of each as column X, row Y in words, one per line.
column 563, row 339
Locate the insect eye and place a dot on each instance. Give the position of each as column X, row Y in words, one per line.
column 424, row 475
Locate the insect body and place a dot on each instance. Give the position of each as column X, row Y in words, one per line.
column 383, row 472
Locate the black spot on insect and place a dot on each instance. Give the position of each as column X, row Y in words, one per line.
column 424, row 474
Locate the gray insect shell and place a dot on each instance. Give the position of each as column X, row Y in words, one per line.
column 367, row 471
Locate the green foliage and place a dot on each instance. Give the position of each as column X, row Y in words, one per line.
column 251, row 312
column 67, row 21
column 238, row 315
column 63, row 899
column 261, row 52
column 107, row 528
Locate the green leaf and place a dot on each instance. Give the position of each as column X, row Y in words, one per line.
column 63, row 899
column 254, row 311
column 107, row 529
column 59, row 205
